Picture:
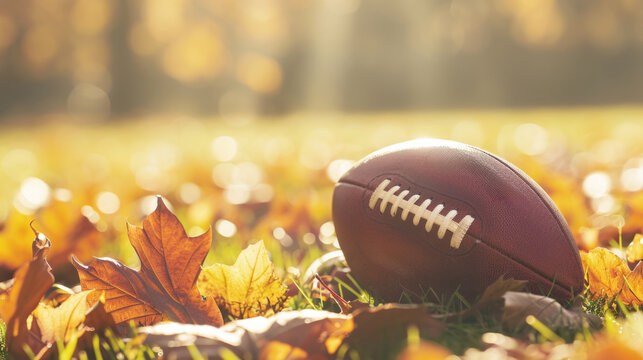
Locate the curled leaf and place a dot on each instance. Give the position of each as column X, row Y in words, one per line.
column 62, row 322
column 246, row 289
column 632, row 293
column 634, row 250
column 520, row 305
column 165, row 285
column 62, row 222
column 606, row 272
column 30, row 283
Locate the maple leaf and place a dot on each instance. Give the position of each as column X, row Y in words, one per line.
column 606, row 272
column 165, row 285
column 30, row 283
column 248, row 288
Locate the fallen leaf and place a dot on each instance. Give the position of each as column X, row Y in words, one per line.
column 246, row 289
column 62, row 222
column 165, row 285
column 519, row 305
column 30, row 283
column 632, row 293
column 425, row 351
column 635, row 249
column 606, row 272
column 315, row 332
column 64, row 321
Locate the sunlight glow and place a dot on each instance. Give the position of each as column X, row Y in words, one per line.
column 34, row 194
column 597, row 184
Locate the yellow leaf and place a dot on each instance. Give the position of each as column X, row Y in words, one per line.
column 246, row 289
column 635, row 249
column 60, row 323
column 632, row 293
column 606, row 272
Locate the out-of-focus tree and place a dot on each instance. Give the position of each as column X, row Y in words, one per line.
column 238, row 59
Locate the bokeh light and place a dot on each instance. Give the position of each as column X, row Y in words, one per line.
column 34, row 194
column 225, row 228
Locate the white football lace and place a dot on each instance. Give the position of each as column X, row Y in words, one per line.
column 399, row 201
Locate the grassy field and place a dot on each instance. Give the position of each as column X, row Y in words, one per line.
column 272, row 180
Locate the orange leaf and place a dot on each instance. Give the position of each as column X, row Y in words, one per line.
column 30, row 283
column 165, row 285
column 635, row 249
column 606, row 272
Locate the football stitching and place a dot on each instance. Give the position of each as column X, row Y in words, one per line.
column 432, row 217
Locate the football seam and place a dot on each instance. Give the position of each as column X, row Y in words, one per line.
column 519, row 173
column 478, row 241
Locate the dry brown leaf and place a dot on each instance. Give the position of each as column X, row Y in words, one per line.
column 519, row 305
column 492, row 299
column 165, row 285
column 635, row 249
column 425, row 351
column 30, row 283
column 246, row 289
column 606, row 272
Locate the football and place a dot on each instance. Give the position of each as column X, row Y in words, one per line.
column 438, row 216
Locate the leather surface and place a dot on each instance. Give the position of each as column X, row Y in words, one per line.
column 518, row 232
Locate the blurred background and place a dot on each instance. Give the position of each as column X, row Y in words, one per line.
column 99, row 58
column 243, row 114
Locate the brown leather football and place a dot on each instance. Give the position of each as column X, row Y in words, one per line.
column 441, row 215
